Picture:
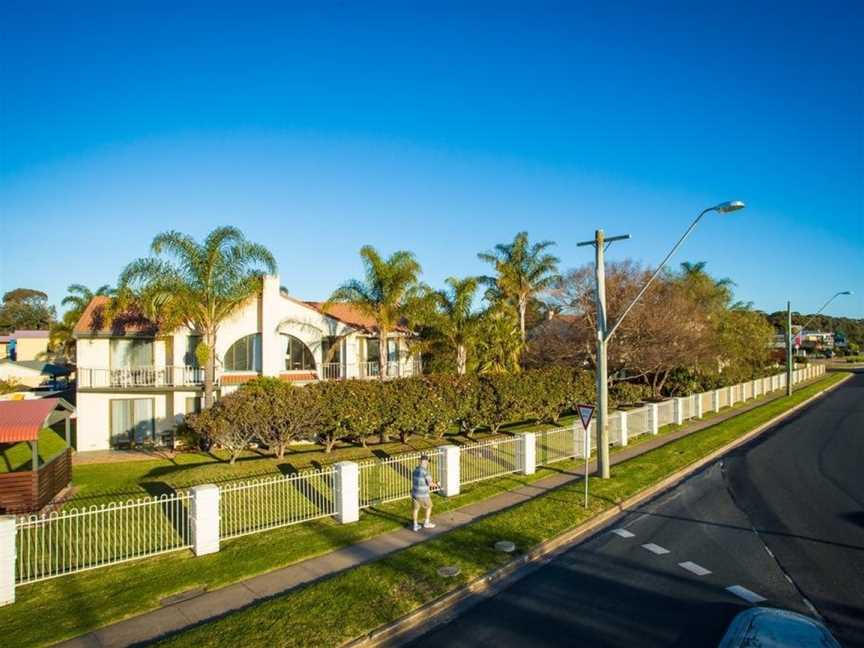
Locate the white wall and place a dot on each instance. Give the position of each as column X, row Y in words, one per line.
column 93, row 411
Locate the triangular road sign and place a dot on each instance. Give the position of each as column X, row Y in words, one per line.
column 585, row 413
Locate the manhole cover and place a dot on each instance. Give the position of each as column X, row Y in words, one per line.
column 448, row 572
column 505, row 545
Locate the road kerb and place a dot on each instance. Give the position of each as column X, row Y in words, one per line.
column 448, row 606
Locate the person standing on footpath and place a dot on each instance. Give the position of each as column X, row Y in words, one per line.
column 421, row 484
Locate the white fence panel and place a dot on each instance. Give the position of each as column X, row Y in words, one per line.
column 665, row 413
column 387, row 480
column 79, row 539
column 253, row 506
column 488, row 459
column 639, row 421
column 556, row 445
column 707, row 402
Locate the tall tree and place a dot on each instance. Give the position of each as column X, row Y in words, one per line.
column 522, row 271
column 76, row 301
column 457, row 321
column 25, row 308
column 198, row 285
column 499, row 343
column 388, row 293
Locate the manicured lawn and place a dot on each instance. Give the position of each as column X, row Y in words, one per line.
column 88, row 600
column 105, row 482
column 19, row 456
column 348, row 605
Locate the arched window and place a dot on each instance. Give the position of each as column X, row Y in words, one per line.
column 297, row 355
column 244, row 354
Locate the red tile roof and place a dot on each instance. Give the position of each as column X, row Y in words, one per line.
column 352, row 316
column 93, row 322
column 294, row 376
column 298, row 376
column 21, row 420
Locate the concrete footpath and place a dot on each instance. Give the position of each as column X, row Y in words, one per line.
column 209, row 605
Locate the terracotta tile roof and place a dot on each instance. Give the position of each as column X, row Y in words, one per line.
column 298, row 376
column 21, row 420
column 352, row 316
column 236, row 379
column 294, row 376
column 92, row 321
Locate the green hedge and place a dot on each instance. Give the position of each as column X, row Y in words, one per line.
column 359, row 410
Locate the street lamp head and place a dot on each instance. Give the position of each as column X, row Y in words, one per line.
column 730, row 206
column 845, row 292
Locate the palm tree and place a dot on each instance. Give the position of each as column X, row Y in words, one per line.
column 522, row 271
column 77, row 300
column 499, row 344
column 198, row 285
column 388, row 293
column 456, row 321
column 712, row 294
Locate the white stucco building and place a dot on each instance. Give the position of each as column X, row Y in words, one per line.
column 135, row 383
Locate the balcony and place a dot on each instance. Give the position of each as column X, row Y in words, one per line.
column 137, row 377
column 369, row 370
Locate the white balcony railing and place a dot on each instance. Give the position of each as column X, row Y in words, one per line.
column 368, row 370
column 133, row 377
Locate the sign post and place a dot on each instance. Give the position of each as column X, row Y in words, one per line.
column 585, row 414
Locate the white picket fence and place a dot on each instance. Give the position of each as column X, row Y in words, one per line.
column 75, row 540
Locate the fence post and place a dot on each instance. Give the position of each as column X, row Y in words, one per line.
column 526, row 453
column 204, row 519
column 624, row 438
column 450, row 479
column 753, row 389
column 347, row 492
column 715, row 400
column 698, row 402
column 653, row 419
column 679, row 411
column 7, row 559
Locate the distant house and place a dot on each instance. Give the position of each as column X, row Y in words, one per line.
column 135, row 382
column 25, row 345
column 34, row 373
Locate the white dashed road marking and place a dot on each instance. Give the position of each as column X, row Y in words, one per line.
column 693, row 568
column 744, row 593
column 655, row 549
column 624, row 533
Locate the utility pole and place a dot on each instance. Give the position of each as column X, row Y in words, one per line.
column 602, row 373
column 605, row 333
column 788, row 348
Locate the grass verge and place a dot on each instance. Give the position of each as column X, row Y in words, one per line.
column 351, row 604
column 83, row 602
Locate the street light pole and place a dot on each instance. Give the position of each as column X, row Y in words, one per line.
column 788, row 348
column 604, row 334
column 804, row 326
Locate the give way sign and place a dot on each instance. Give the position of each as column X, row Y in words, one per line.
column 585, row 414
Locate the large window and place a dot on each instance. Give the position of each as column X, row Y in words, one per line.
column 297, row 355
column 244, row 354
column 132, row 421
column 331, row 350
column 373, row 351
column 190, row 359
column 127, row 354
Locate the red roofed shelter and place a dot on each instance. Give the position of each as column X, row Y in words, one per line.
column 33, row 485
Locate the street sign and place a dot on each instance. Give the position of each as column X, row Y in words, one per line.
column 585, row 414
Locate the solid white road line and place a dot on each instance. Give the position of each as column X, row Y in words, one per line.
column 655, row 549
column 693, row 568
column 624, row 533
column 744, row 593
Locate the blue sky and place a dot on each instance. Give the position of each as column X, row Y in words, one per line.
column 442, row 129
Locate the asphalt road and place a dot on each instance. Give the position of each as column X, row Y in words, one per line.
column 781, row 519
